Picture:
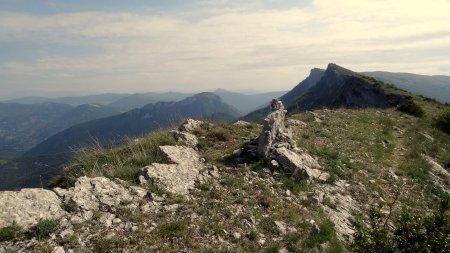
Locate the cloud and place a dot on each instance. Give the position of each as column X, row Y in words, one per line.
column 232, row 46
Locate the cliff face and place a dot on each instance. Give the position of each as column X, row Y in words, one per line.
column 288, row 98
column 340, row 87
column 334, row 87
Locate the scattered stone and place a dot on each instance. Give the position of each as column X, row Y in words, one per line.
column 237, row 235
column 427, row 136
column 281, row 227
column 178, row 177
column 315, row 230
column 58, row 249
column 188, row 138
column 190, row 125
column 28, row 206
column 274, row 163
column 288, row 192
column 241, row 123
column 296, row 123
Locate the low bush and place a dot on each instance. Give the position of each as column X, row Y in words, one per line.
column 173, row 229
column 443, row 122
column 411, row 108
column 411, row 233
column 11, row 233
column 44, row 228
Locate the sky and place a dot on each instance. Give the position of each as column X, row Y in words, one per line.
column 67, row 47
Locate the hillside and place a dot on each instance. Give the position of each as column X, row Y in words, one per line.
column 245, row 103
column 436, row 87
column 139, row 100
column 314, row 76
column 334, row 88
column 19, row 123
column 174, row 198
column 77, row 115
column 42, row 162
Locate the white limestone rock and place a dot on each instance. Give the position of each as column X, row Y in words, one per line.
column 179, row 176
column 28, row 206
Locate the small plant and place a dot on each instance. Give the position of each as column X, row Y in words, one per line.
column 44, row 228
column 70, row 241
column 11, row 233
column 107, row 245
column 173, row 229
column 252, row 235
column 69, row 206
column 411, row 108
column 443, row 122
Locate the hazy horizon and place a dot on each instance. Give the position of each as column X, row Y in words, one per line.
column 61, row 48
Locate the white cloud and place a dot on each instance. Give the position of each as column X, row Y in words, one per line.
column 263, row 49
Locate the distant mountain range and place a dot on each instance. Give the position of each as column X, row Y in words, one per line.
column 23, row 126
column 27, row 121
column 244, row 103
column 101, row 99
column 437, row 87
column 41, row 162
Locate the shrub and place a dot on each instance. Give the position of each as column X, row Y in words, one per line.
column 107, row 245
column 412, row 233
column 11, row 233
column 45, row 227
column 173, row 229
column 443, row 122
column 411, row 108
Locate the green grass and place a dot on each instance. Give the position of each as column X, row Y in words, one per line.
column 12, row 232
column 122, row 162
column 44, row 228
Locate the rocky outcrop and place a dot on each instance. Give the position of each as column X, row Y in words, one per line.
column 276, row 142
column 274, row 132
column 341, row 208
column 300, row 163
column 92, row 194
column 185, row 137
column 190, row 125
column 179, row 176
column 28, row 206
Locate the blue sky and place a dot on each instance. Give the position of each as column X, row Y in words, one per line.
column 54, row 47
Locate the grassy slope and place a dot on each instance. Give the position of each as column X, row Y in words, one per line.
column 360, row 146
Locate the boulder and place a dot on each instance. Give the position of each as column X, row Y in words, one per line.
column 28, row 206
column 179, row 176
column 303, row 163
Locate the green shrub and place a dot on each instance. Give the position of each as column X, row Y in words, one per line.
column 412, row 233
column 411, row 108
column 173, row 229
column 107, row 245
column 44, row 228
column 11, row 233
column 443, row 122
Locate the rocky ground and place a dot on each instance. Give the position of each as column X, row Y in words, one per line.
column 281, row 187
